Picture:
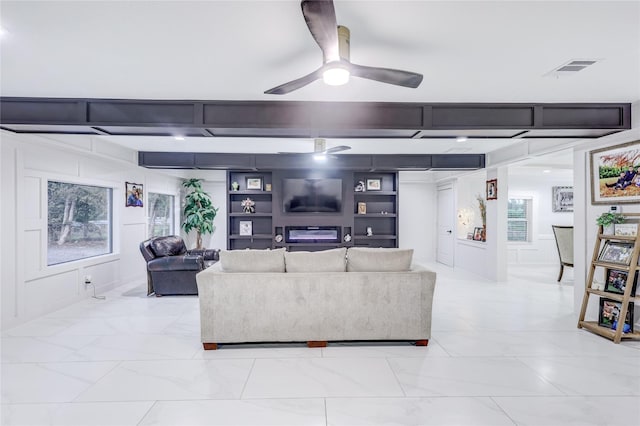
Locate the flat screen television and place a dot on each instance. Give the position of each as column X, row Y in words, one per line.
column 312, row 195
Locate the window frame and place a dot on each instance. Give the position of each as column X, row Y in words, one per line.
column 176, row 212
column 46, row 270
column 529, row 219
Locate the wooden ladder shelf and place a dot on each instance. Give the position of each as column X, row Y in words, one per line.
column 616, row 335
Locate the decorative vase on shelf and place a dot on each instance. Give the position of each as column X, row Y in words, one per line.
column 608, row 229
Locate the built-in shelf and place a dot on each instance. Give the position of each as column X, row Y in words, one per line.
column 270, row 220
column 250, row 237
column 249, row 215
column 373, row 193
column 251, row 192
column 375, row 237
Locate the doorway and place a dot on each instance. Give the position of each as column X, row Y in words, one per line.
column 445, row 223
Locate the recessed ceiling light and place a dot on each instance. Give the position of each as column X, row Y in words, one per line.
column 546, row 171
column 462, row 139
column 179, row 138
column 3, row 32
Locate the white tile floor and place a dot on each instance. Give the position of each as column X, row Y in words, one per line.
column 500, row 354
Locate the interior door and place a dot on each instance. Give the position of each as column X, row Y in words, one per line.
column 446, row 223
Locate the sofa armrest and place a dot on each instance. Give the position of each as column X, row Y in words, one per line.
column 207, row 254
column 186, row 262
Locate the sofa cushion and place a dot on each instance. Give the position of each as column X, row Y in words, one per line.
column 334, row 260
column 252, row 260
column 171, row 245
column 364, row 259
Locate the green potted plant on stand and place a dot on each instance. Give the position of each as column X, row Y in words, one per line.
column 608, row 220
column 199, row 212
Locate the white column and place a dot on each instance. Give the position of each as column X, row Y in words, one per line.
column 497, row 226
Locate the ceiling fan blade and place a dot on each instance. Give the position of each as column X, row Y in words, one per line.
column 337, row 149
column 387, row 75
column 320, row 16
column 295, row 84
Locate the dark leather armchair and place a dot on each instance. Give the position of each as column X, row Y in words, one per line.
column 171, row 268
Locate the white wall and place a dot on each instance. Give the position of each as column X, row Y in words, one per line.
column 533, row 183
column 468, row 187
column 29, row 287
column 417, row 213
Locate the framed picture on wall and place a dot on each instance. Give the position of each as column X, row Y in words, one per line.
column 134, row 193
column 562, row 199
column 492, row 189
column 615, row 174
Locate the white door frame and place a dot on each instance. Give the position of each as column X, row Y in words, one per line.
column 447, row 186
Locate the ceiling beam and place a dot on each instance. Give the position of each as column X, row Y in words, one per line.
column 282, row 119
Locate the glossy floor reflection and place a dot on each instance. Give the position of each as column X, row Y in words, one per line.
column 500, row 354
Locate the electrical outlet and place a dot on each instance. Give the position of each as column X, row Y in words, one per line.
column 87, row 279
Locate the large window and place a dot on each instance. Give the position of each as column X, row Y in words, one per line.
column 161, row 214
column 79, row 222
column 519, row 219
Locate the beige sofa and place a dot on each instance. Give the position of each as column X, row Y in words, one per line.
column 333, row 295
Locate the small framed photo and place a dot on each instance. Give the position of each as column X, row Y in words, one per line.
column 362, row 208
column 374, row 184
column 492, row 189
column 254, row 183
column 133, row 194
column 246, row 227
column 616, row 282
column 562, row 199
column 616, row 252
column 625, row 229
column 267, row 187
column 609, row 314
column 477, row 234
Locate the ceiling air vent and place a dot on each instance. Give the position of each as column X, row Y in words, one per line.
column 571, row 67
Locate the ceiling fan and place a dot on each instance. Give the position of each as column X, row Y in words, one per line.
column 320, row 150
column 333, row 40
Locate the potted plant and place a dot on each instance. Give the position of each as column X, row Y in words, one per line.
column 199, row 212
column 608, row 220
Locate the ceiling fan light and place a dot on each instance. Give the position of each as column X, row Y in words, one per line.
column 336, row 76
column 320, row 157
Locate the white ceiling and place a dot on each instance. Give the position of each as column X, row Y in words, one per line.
column 473, row 51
